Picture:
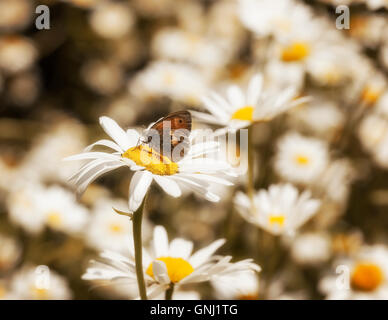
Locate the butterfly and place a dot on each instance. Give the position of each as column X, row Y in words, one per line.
column 169, row 136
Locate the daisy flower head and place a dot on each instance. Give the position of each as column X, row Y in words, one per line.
column 241, row 108
column 279, row 210
column 39, row 283
column 361, row 277
column 237, row 286
column 300, row 159
column 167, row 264
column 193, row 172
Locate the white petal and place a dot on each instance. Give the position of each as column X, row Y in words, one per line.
column 236, row 97
column 202, row 255
column 160, row 242
column 254, row 89
column 180, row 248
column 106, row 143
column 115, row 132
column 138, row 188
column 91, row 155
column 169, row 186
column 160, row 272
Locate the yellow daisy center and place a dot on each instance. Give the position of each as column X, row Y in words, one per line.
column 296, row 51
column 277, row 219
column 54, row 219
column 40, row 293
column 370, row 95
column 115, row 228
column 366, row 276
column 177, row 268
column 151, row 160
column 244, row 113
column 302, row 160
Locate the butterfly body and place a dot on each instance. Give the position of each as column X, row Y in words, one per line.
column 169, row 135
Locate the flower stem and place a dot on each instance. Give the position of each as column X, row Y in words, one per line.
column 251, row 181
column 169, row 292
column 137, row 220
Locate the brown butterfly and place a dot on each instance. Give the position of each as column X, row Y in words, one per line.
column 169, row 135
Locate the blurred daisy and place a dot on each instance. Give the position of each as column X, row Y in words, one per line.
column 10, row 253
column 373, row 134
column 280, row 210
column 169, row 264
column 190, row 173
column 110, row 231
column 39, row 283
column 311, row 248
column 300, row 159
column 33, row 207
column 240, row 109
column 61, row 211
column 16, row 53
column 363, row 277
column 237, row 286
column 178, row 81
column 111, row 20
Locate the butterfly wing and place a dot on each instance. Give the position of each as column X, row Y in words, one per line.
column 177, row 128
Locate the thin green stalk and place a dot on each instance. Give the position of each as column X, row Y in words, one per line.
column 137, row 220
column 251, row 180
column 169, row 292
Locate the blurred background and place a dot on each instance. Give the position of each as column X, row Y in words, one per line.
column 138, row 60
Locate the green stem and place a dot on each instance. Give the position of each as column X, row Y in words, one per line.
column 251, row 181
column 169, row 292
column 137, row 220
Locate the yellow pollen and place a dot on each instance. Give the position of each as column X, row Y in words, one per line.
column 115, row 228
column 169, row 78
column 297, row 51
column 151, row 160
column 366, row 276
column 177, row 268
column 244, row 113
column 54, row 219
column 302, row 160
column 276, row 219
column 370, row 95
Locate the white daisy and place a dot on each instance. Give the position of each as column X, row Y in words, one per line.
column 237, row 286
column 33, row 207
column 169, row 263
column 240, row 109
column 280, row 210
column 311, row 248
column 191, row 172
column 110, row 231
column 362, row 277
column 39, row 283
column 301, row 159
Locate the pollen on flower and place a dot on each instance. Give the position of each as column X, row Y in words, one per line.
column 297, row 51
column 151, row 160
column 244, row 113
column 252, row 296
column 276, row 219
column 366, row 276
column 177, row 268
column 302, row 160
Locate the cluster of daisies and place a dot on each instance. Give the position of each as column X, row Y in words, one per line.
column 297, row 200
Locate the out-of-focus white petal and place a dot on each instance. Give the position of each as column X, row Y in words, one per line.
column 138, row 188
